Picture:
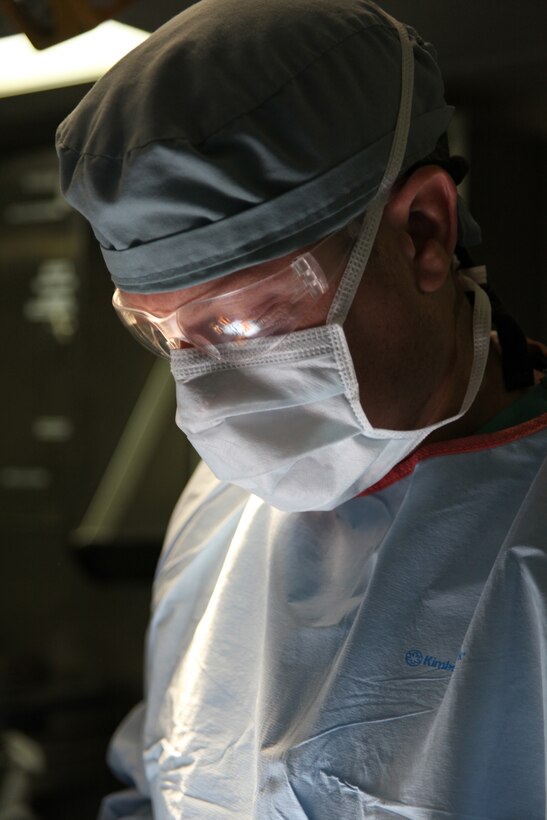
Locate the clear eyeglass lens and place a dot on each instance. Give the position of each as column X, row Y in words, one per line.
column 271, row 327
column 224, row 327
column 146, row 333
column 263, row 309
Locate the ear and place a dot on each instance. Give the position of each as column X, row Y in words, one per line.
column 424, row 206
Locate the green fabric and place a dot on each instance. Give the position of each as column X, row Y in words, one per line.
column 532, row 404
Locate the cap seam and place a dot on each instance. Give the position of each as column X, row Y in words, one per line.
column 62, row 144
column 296, row 224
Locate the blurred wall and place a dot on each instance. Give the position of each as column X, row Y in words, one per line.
column 494, row 61
column 91, row 464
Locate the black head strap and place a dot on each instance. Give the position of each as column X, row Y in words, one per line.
column 516, row 361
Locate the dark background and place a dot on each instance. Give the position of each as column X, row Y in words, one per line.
column 91, row 462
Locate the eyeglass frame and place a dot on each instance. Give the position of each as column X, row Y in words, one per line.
column 314, row 282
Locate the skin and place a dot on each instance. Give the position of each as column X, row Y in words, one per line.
column 409, row 328
column 410, row 287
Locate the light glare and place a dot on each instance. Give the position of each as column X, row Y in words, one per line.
column 81, row 59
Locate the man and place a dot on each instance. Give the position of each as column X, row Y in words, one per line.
column 348, row 620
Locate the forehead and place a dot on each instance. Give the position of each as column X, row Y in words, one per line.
column 169, row 300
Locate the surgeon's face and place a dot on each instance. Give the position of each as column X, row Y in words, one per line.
column 404, row 328
column 384, row 328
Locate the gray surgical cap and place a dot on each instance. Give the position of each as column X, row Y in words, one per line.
column 240, row 131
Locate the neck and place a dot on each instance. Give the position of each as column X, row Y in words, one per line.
column 491, row 399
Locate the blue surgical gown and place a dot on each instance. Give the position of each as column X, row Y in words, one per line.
column 385, row 659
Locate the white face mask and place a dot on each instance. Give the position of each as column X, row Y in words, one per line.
column 287, row 424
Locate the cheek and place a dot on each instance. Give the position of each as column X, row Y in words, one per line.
column 380, row 334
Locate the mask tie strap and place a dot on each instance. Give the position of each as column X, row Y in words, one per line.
column 517, row 366
column 361, row 252
column 516, row 361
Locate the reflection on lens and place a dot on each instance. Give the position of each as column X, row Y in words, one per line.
column 235, row 328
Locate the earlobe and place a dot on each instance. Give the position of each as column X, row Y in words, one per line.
column 424, row 207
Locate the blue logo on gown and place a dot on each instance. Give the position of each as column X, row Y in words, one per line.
column 414, row 657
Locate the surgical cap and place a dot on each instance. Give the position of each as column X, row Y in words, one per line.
column 239, row 131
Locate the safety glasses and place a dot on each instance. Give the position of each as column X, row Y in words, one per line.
column 268, row 308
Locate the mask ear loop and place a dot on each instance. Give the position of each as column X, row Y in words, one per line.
column 516, row 359
column 361, row 252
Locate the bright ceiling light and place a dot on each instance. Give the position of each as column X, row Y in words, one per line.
column 81, row 59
